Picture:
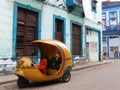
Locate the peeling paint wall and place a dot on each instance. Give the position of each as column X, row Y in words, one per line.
column 7, row 66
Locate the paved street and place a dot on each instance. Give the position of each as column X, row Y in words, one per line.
column 103, row 77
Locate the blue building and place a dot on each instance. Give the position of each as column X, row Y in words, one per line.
column 111, row 29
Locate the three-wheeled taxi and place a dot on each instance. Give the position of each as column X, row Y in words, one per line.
column 55, row 63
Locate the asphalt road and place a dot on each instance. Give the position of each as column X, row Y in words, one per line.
column 103, row 77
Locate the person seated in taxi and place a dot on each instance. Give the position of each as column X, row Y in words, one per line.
column 42, row 65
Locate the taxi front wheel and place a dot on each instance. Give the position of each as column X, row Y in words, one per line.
column 22, row 82
column 66, row 77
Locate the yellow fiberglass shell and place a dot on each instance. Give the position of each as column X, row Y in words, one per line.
column 47, row 48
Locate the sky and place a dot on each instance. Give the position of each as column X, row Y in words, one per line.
column 111, row 0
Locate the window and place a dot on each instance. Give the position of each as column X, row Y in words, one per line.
column 113, row 15
column 94, row 5
column 113, row 48
column 104, row 49
column 104, row 39
column 113, row 22
column 103, row 16
column 88, row 32
column 113, row 18
column 103, row 24
column 104, row 21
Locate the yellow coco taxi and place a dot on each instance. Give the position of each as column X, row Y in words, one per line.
column 55, row 63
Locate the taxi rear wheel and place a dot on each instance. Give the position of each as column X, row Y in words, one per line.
column 66, row 77
column 22, row 82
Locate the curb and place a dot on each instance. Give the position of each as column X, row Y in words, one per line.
column 89, row 66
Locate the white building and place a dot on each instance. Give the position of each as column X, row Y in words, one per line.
column 76, row 23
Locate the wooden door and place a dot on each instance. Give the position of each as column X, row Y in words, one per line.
column 26, row 32
column 75, row 39
column 59, row 30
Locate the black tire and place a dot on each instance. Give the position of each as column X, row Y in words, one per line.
column 22, row 82
column 66, row 77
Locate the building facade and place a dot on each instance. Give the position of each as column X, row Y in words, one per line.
column 23, row 21
column 111, row 29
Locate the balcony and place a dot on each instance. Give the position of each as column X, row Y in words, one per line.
column 115, row 27
column 112, row 30
column 75, row 6
column 74, row 2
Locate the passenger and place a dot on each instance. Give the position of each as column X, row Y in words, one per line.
column 42, row 66
column 58, row 62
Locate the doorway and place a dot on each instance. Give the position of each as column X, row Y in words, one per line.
column 76, row 40
column 26, row 32
column 59, row 29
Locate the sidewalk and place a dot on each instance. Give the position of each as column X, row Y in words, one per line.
column 91, row 64
column 12, row 78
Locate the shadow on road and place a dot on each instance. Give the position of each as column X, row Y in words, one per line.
column 42, row 84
